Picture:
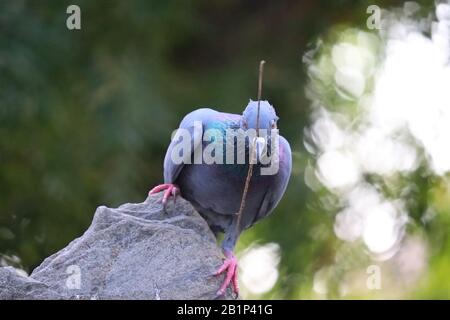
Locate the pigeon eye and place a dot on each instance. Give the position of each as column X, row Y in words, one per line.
column 273, row 124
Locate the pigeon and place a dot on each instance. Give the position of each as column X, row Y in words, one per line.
column 215, row 188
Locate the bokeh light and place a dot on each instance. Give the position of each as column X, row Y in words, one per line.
column 384, row 122
column 259, row 268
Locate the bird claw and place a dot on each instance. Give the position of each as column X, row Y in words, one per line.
column 230, row 266
column 170, row 190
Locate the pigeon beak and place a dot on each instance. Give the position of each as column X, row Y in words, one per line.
column 260, row 147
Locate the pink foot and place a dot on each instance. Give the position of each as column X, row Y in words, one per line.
column 169, row 190
column 230, row 266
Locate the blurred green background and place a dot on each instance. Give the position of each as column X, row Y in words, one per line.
column 86, row 116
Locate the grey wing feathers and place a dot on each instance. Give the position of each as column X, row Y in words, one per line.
column 172, row 169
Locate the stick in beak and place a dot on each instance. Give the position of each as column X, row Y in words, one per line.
column 260, row 143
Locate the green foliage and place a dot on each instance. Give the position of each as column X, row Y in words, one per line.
column 86, row 116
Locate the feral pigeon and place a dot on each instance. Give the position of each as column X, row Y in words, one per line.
column 211, row 173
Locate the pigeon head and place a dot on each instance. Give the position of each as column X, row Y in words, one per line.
column 267, row 116
column 267, row 121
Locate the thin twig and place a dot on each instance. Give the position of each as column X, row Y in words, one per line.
column 252, row 147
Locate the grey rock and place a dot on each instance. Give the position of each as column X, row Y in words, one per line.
column 137, row 251
column 15, row 285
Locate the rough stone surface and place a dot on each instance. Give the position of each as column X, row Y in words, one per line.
column 14, row 285
column 137, row 251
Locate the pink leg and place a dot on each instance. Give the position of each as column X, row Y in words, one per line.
column 169, row 190
column 230, row 266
